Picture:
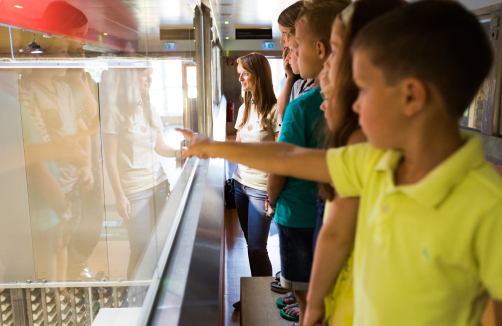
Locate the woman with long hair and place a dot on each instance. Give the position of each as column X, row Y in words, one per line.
column 132, row 137
column 257, row 121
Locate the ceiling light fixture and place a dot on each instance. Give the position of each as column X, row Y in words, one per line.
column 226, row 23
column 33, row 47
column 17, row 6
column 105, row 33
column 226, row 38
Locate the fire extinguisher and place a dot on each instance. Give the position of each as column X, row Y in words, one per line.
column 230, row 111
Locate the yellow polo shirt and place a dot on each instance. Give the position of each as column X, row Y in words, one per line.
column 428, row 253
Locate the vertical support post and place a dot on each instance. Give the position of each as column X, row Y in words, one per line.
column 91, row 312
column 208, row 76
column 18, row 311
column 186, row 103
column 44, row 306
column 73, row 307
column 115, row 297
column 58, row 305
column 199, row 52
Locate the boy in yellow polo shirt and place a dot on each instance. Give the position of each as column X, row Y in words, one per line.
column 428, row 248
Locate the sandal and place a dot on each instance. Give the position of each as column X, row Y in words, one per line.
column 287, row 316
column 276, row 285
column 281, row 304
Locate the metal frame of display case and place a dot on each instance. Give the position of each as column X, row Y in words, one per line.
column 491, row 132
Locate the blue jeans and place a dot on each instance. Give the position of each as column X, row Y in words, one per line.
column 255, row 224
column 321, row 204
column 145, row 209
column 295, row 245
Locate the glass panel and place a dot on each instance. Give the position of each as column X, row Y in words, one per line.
column 473, row 115
column 90, row 95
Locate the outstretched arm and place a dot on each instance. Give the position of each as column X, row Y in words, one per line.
column 278, row 158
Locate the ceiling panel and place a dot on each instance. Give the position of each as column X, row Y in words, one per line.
column 248, row 14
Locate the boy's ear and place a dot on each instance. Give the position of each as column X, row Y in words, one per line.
column 415, row 96
column 321, row 50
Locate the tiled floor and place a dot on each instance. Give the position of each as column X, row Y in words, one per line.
column 237, row 265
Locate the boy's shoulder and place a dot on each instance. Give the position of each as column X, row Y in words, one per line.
column 311, row 99
column 486, row 184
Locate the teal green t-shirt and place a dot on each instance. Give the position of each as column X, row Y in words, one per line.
column 303, row 125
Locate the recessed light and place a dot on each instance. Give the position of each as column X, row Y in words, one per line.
column 227, row 38
column 105, row 33
column 226, row 23
column 20, row 7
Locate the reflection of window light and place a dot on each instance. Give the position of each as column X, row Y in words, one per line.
column 192, row 82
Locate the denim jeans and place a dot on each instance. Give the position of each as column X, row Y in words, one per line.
column 295, row 245
column 255, row 224
column 145, row 209
column 321, row 204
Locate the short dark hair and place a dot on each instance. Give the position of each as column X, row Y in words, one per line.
column 436, row 41
column 319, row 16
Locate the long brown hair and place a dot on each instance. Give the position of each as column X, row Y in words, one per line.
column 264, row 97
column 345, row 90
column 288, row 16
column 125, row 98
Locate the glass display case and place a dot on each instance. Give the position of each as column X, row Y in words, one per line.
column 92, row 180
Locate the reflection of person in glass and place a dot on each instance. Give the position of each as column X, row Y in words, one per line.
column 64, row 19
column 132, row 137
column 46, row 202
column 62, row 118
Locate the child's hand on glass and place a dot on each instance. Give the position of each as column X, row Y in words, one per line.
column 199, row 144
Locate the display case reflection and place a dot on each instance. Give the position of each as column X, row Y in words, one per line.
column 72, row 195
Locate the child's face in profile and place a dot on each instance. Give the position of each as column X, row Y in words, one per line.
column 309, row 61
column 327, row 94
column 380, row 107
column 293, row 57
column 284, row 35
column 335, row 43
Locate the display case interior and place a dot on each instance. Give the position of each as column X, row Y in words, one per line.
column 91, row 175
